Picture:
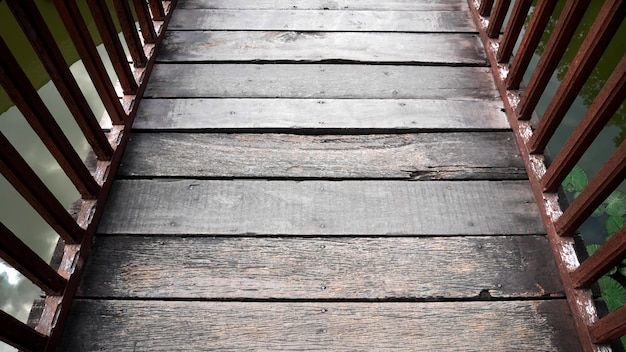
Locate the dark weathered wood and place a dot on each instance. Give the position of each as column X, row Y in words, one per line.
column 156, row 9
column 319, row 46
column 432, row 5
column 320, row 114
column 320, row 81
column 320, row 208
column 316, row 20
column 321, row 268
column 408, row 156
column 19, row 335
column 27, row 262
column 323, row 326
column 485, row 7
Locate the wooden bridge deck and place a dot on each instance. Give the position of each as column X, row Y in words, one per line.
column 321, row 175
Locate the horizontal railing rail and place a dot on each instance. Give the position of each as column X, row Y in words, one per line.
column 106, row 139
column 501, row 36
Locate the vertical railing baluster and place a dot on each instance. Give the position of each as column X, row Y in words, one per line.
column 75, row 24
column 605, row 181
column 597, row 40
column 497, row 18
column 20, row 335
column 597, row 116
column 485, row 7
column 609, row 328
column 536, row 27
column 25, row 97
column 558, row 42
column 513, row 29
column 27, row 262
column 29, row 185
column 127, row 22
column 608, row 256
column 156, row 8
column 37, row 32
column 110, row 39
column 145, row 22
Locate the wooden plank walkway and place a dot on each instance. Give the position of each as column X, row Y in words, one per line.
column 321, row 175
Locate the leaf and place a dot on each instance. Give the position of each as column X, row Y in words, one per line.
column 616, row 204
column 576, row 180
column 599, row 210
column 613, row 224
column 592, row 248
column 622, row 270
column 613, row 293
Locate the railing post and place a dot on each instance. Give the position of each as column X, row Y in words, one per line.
column 611, row 327
column 145, row 22
column 497, row 18
column 559, row 40
column 27, row 262
column 127, row 22
column 513, row 29
column 108, row 33
column 595, row 43
column 19, row 335
column 29, row 18
column 75, row 24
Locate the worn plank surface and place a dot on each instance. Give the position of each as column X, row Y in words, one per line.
column 207, row 46
column 394, row 5
column 320, row 81
column 327, row 21
column 346, row 115
column 320, row 326
column 406, row 156
column 321, row 268
column 245, row 207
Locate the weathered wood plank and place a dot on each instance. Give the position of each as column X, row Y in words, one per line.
column 323, row 326
column 321, row 268
column 320, row 114
column 320, row 81
column 405, row 5
column 321, row 208
column 206, row 46
column 426, row 156
column 316, row 20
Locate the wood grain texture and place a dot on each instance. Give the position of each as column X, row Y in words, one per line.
column 207, row 46
column 320, row 81
column 320, row 114
column 327, row 21
column 246, row 207
column 321, row 268
column 426, row 156
column 251, row 326
column 396, row 5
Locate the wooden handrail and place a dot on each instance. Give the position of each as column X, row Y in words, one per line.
column 546, row 178
column 107, row 142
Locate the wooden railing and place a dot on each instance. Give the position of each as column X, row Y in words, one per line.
column 509, row 67
column 106, row 139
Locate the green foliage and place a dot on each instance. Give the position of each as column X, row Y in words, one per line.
column 614, row 208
